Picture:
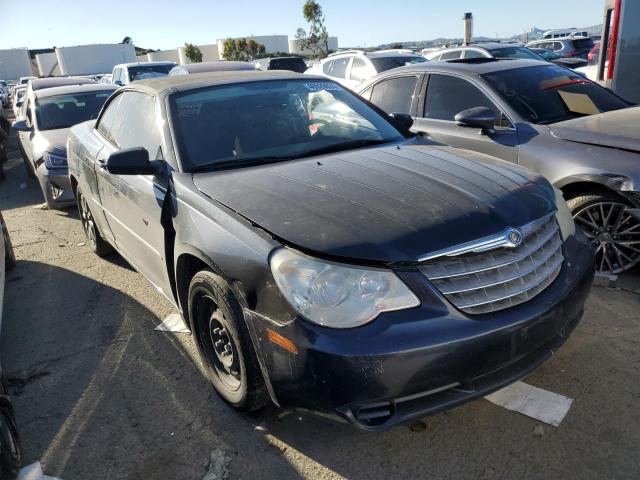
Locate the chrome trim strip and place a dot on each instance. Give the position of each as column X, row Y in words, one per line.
column 488, row 243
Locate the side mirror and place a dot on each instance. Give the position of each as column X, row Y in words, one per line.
column 118, row 82
column 131, row 161
column 403, row 120
column 21, row 126
column 19, row 103
column 478, row 117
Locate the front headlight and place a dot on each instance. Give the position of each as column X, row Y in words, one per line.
column 52, row 161
column 564, row 217
column 338, row 296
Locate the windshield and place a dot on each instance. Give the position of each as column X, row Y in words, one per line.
column 583, row 44
column 293, row 64
column 387, row 63
column 550, row 93
column 514, row 52
column 148, row 71
column 260, row 122
column 547, row 54
column 64, row 111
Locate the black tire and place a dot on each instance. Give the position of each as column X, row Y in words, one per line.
column 28, row 167
column 98, row 245
column 219, row 328
column 614, row 233
column 10, row 452
column 9, row 254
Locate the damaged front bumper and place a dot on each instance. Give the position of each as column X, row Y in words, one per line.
column 412, row 363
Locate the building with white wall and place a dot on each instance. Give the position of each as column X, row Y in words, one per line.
column 89, row 59
column 164, row 56
column 15, row 63
column 209, row 52
column 294, row 47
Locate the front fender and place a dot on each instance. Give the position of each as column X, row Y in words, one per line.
column 613, row 181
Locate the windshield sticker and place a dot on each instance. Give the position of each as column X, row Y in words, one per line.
column 322, row 86
column 578, row 103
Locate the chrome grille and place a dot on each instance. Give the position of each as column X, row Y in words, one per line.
column 486, row 282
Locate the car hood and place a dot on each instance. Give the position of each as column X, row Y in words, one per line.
column 53, row 140
column 383, row 205
column 615, row 129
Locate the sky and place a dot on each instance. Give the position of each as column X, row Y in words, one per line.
column 167, row 24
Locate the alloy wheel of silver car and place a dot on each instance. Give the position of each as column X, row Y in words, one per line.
column 615, row 234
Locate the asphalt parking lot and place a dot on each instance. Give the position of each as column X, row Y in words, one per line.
column 100, row 395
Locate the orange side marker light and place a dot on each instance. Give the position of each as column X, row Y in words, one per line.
column 281, row 341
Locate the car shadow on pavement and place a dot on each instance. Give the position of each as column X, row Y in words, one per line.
column 100, row 394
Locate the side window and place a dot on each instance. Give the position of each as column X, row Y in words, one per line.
column 116, row 75
column 359, row 70
column 447, row 96
column 557, row 46
column 367, row 93
column 109, row 120
column 451, row 55
column 326, row 67
column 141, row 128
column 473, row 54
column 340, row 67
column 395, row 94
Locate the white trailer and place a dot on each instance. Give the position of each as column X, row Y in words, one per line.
column 48, row 64
column 15, row 63
column 90, row 59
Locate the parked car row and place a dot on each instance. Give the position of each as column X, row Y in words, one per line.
column 395, row 232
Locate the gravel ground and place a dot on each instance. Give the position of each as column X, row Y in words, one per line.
column 100, row 395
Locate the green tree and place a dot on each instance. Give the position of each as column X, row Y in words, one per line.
column 192, row 52
column 396, row 46
column 242, row 49
column 317, row 38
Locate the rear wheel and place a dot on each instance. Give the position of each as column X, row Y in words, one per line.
column 97, row 244
column 613, row 231
column 224, row 344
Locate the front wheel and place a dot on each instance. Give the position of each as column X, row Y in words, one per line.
column 224, row 344
column 9, row 254
column 97, row 244
column 613, row 231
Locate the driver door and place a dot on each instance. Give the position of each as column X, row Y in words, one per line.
column 133, row 203
column 448, row 95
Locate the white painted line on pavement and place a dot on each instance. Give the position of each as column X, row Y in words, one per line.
column 173, row 323
column 532, row 401
column 34, row 472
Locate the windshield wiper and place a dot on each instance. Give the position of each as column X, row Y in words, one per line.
column 340, row 147
column 253, row 161
column 238, row 163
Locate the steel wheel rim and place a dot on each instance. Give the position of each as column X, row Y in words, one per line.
column 222, row 352
column 614, row 233
column 87, row 221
